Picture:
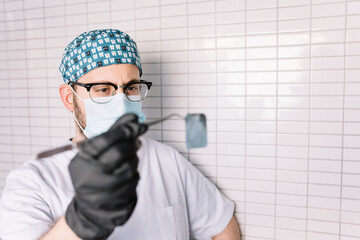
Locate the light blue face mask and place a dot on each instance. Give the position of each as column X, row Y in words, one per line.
column 100, row 117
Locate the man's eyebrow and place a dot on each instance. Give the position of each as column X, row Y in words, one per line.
column 132, row 81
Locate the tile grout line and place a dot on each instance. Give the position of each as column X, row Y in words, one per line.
column 343, row 122
column 309, row 124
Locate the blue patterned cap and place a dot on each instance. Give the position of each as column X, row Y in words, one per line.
column 95, row 49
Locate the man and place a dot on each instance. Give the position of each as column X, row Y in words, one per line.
column 95, row 192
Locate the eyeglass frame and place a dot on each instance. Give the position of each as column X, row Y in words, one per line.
column 124, row 87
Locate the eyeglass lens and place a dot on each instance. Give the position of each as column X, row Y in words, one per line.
column 104, row 93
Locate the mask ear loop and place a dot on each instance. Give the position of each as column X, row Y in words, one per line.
column 76, row 93
column 77, row 122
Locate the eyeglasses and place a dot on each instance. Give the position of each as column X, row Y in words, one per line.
column 105, row 92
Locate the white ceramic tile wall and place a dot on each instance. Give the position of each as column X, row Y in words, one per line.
column 279, row 81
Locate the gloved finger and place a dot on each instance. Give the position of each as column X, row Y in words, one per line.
column 88, row 177
column 130, row 130
column 117, row 154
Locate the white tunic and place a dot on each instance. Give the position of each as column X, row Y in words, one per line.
column 175, row 201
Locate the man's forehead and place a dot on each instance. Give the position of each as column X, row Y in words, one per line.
column 113, row 73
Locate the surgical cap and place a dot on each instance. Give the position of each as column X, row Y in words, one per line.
column 97, row 48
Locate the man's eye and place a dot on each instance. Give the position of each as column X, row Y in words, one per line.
column 132, row 88
column 103, row 90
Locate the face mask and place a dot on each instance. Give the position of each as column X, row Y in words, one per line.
column 100, row 117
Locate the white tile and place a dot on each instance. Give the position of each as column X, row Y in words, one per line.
column 173, row 10
column 326, row 102
column 263, row 114
column 350, row 217
column 260, row 40
column 260, row 138
column 230, row 17
column 293, row 115
column 325, row 178
column 293, row 64
column 225, row 30
column 328, row 36
column 293, row 52
column 353, row 21
column 148, row 35
column 259, row 53
column 324, row 191
column 293, row 102
column 327, row 76
column 230, row 5
column 231, row 161
column 323, row 214
column 291, row 212
column 291, row 188
column 352, row 115
column 350, row 205
column 324, row 202
column 325, row 153
column 294, row 25
column 230, row 102
column 291, row 176
column 325, row 10
column 203, row 67
column 326, row 115
column 261, row 90
column 260, row 151
column 173, row 68
column 351, row 128
column 231, row 149
column 324, row 50
column 293, row 38
column 351, row 141
column 327, row 23
column 202, row 43
column 201, row 7
column 293, row 139
column 327, row 63
column 292, row 127
column 291, row 200
column 293, row 77
column 267, row 221
column 294, row 12
column 261, row 102
column 259, row 232
column 288, row 223
column 142, row 24
column 325, row 166
column 325, row 140
column 261, row 28
column 201, row 31
column 230, row 42
column 292, row 152
column 321, row 226
column 255, row 4
column 146, row 3
column 172, row 22
column 202, row 102
column 173, row 33
column 167, row 57
column 350, row 229
column 150, row 12
column 229, row 126
column 172, row 45
column 13, row 5
column 201, row 20
column 293, row 89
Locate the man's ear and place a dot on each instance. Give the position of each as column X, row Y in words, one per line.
column 67, row 96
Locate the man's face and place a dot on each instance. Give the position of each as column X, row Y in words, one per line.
column 118, row 74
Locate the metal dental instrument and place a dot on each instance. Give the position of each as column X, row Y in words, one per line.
column 196, row 134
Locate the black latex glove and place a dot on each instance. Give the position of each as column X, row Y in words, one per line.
column 104, row 174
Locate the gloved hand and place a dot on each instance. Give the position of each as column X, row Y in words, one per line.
column 104, row 175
